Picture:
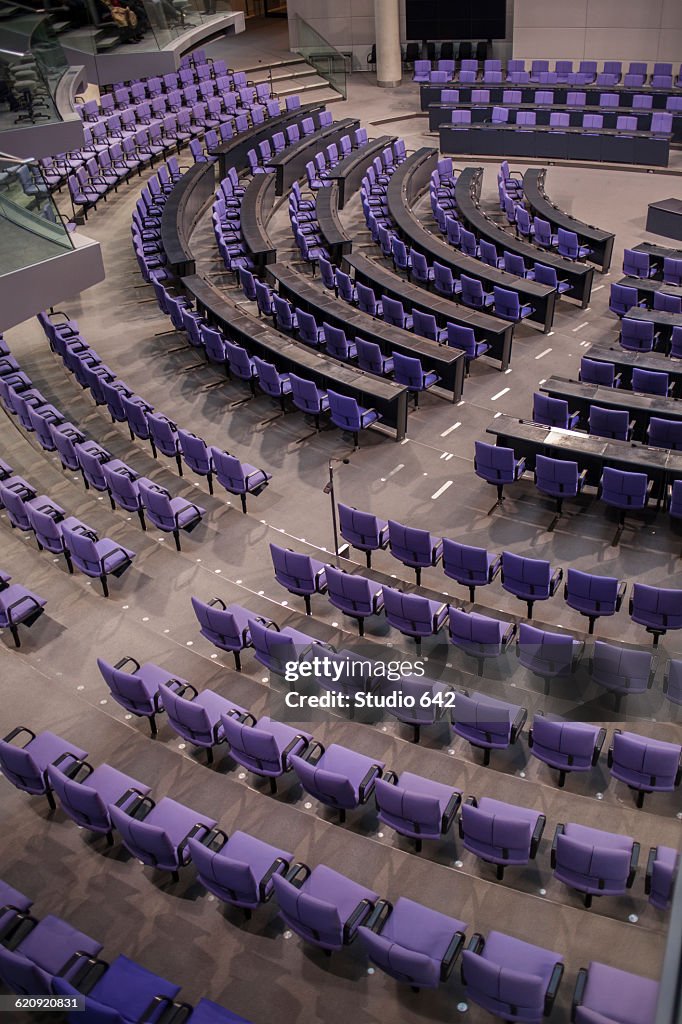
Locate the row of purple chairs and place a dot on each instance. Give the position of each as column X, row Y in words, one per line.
column 638, row 263
column 49, row 957
column 623, row 297
column 408, row 940
column 18, row 605
column 661, row 120
column 539, row 72
column 543, row 98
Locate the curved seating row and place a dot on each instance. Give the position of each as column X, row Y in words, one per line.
column 492, row 72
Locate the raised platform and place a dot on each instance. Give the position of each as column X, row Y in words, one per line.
column 127, row 62
column 665, row 218
column 44, row 138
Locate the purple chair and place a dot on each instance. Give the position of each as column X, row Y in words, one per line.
column 514, row 980
column 238, row 477
column 348, row 415
column 163, row 436
column 622, row 298
column 157, row 833
column 26, row 766
column 565, row 746
column 637, row 335
column 413, row 943
column 169, row 515
column 308, row 398
column 558, row 479
column 500, row 833
column 354, row 595
column 567, row 241
column 657, row 608
column 412, row 614
column 52, row 951
column 529, row 579
column 607, row 995
column 196, row 716
column 553, row 412
column 238, row 870
column 194, row 451
column 594, row 371
column 479, row 636
column 593, row 596
column 594, row 862
column 462, row 337
column 645, row 764
column 323, row 906
column 265, row 746
column 96, row 558
column 226, row 626
column 622, row 670
column 546, row 654
column 85, row 794
column 419, row 702
column 415, row 806
column 672, row 681
column 414, row 548
column 135, row 690
column 337, row 776
column 661, row 870
column 638, row 264
column 275, row 647
column 486, row 722
column 623, row 491
column 18, row 606
column 469, row 566
column 299, row 574
column 497, row 466
column 363, row 530
column 409, row 371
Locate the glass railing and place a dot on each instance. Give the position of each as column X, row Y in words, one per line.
column 329, row 62
column 31, row 227
column 32, row 63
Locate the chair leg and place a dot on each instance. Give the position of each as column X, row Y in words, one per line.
column 178, row 459
column 308, row 608
column 176, row 537
column 500, row 872
column 69, row 563
column 237, row 660
column 273, row 785
column 418, row 845
column 418, row 575
column 529, row 605
column 154, row 451
column 368, row 556
column 140, row 513
column 361, row 627
column 342, row 815
column 209, row 755
column 472, row 593
column 152, row 725
column 588, row 900
column 593, row 619
column 175, row 876
column 486, row 757
column 247, row 913
column 110, row 838
column 640, row 798
column 416, row 733
column 243, row 498
column 105, row 585
column 15, row 635
column 621, row 527
column 209, row 477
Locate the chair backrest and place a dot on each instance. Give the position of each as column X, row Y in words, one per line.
column 613, row 423
column 255, row 748
column 127, row 688
column 408, row 809
column 494, row 462
column 149, row 843
column 661, row 434
column 230, row 879
column 551, row 411
column 624, row 489
column 594, row 371
column 637, row 335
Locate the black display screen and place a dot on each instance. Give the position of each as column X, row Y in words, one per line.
column 456, row 19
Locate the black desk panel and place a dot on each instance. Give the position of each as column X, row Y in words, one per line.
column 181, row 211
column 591, row 453
column 467, row 196
column 664, row 322
column 555, row 143
column 599, row 241
column 448, row 363
column 259, row 338
column 334, row 236
column 625, row 362
column 665, row 218
column 432, row 93
column 640, row 407
column 290, row 163
column 348, row 172
column 658, row 253
column 497, row 333
column 406, row 184
column 256, row 210
column 647, row 288
column 233, row 153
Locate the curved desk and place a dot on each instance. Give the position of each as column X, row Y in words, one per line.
column 334, row 235
column 290, row 163
column 259, row 338
column 600, row 242
column 348, row 172
column 182, row 209
column 663, row 322
column 233, row 153
column 448, row 363
column 556, row 143
column 639, row 407
column 497, row 333
column 647, row 288
column 625, row 362
column 405, row 186
column 432, row 93
column 467, row 196
column 657, row 253
column 256, row 210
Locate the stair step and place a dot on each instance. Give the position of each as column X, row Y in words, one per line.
column 304, row 72
column 274, row 64
column 313, row 87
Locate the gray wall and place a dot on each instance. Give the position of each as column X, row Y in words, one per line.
column 626, row 30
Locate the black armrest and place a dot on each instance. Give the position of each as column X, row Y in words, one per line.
column 599, row 743
column 450, row 812
column 476, row 943
column 652, row 672
column 298, row 738
column 451, row 953
column 314, row 752
column 555, row 581
column 559, row 831
column 216, row 839
column 391, row 776
column 90, row 970
column 537, row 835
column 518, row 724
column 21, row 600
column 470, row 801
column 379, row 916
column 509, row 635
column 15, row 732
column 653, row 853
column 360, row 914
column 198, row 831
column 152, row 1011
column 634, row 860
column 367, row 785
column 74, row 765
column 141, row 802
column 274, row 869
column 609, row 756
column 579, row 991
column 622, row 587
column 217, row 601
column 553, row 988
column 298, row 874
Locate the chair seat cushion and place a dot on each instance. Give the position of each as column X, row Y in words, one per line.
column 53, row 942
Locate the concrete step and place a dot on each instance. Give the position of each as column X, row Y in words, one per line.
column 311, row 91
column 274, row 64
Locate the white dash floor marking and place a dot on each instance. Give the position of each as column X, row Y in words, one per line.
column 598, row 287
column 550, row 334
column 580, row 326
column 450, row 429
column 499, row 394
column 541, row 355
column 441, row 490
column 401, row 465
